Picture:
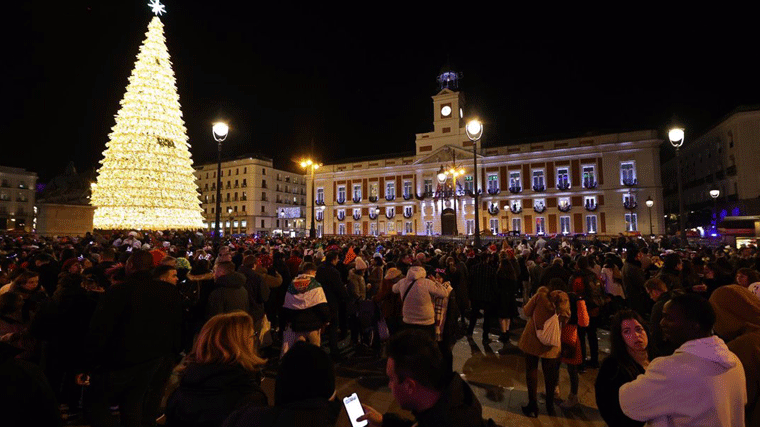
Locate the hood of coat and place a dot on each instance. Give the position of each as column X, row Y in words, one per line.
column 737, row 311
column 416, row 272
column 215, row 376
column 232, row 280
column 355, row 274
column 712, row 349
column 200, row 277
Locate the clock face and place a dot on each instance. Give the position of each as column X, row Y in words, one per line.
column 446, row 111
column 461, row 113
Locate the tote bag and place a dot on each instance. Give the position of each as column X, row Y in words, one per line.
column 550, row 335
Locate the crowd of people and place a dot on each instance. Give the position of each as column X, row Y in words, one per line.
column 97, row 328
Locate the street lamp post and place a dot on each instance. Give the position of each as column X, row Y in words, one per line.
column 474, row 130
column 676, row 137
column 312, row 166
column 219, row 130
column 715, row 194
column 377, row 221
column 650, row 203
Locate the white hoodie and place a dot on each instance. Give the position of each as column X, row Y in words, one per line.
column 418, row 308
column 701, row 384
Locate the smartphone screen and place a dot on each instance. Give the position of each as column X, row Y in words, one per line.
column 354, row 410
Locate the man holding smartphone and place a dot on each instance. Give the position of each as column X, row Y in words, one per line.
column 421, row 383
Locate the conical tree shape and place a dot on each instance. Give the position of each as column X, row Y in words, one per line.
column 146, row 180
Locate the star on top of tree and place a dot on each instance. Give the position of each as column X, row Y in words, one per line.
column 157, row 7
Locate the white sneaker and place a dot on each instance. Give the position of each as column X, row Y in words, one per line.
column 570, row 402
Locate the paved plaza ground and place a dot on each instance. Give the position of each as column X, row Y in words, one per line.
column 496, row 373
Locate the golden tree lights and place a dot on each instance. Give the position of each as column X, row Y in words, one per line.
column 146, row 176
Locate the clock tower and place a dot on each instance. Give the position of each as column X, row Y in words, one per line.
column 448, row 114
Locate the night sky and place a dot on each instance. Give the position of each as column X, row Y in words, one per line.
column 357, row 78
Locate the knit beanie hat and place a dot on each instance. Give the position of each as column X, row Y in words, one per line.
column 360, row 264
column 736, row 310
column 157, row 255
column 306, row 372
column 183, row 264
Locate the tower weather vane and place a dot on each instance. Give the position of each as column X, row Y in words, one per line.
column 157, row 7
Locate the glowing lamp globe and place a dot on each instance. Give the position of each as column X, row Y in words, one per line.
column 676, row 137
column 474, row 129
column 220, row 131
column 714, row 193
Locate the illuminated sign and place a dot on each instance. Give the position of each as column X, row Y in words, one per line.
column 290, row 213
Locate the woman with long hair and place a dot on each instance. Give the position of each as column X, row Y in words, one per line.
column 221, row 374
column 629, row 357
column 507, row 286
column 543, row 305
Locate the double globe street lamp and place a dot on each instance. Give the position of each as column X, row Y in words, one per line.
column 219, row 130
column 443, row 175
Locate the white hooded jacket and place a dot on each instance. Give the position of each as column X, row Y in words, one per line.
column 701, row 384
column 418, row 308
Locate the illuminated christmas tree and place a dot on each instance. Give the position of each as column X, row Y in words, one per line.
column 146, row 180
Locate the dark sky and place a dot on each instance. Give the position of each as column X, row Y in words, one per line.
column 357, row 78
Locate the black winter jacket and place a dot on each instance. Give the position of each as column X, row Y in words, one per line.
column 229, row 295
column 135, row 322
column 209, row 393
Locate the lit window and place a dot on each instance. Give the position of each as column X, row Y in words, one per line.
column 469, row 184
column 563, row 178
column 564, row 224
column 407, row 189
column 591, row 223
column 390, row 189
column 540, row 225
column 514, row 180
column 627, row 173
column 493, row 182
column 589, row 176
column 631, row 223
column 494, row 226
column 538, row 180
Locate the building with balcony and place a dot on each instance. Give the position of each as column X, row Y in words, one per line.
column 256, row 198
column 585, row 185
column 17, row 199
column 722, row 159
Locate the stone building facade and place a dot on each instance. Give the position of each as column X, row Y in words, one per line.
column 256, row 197
column 584, row 185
